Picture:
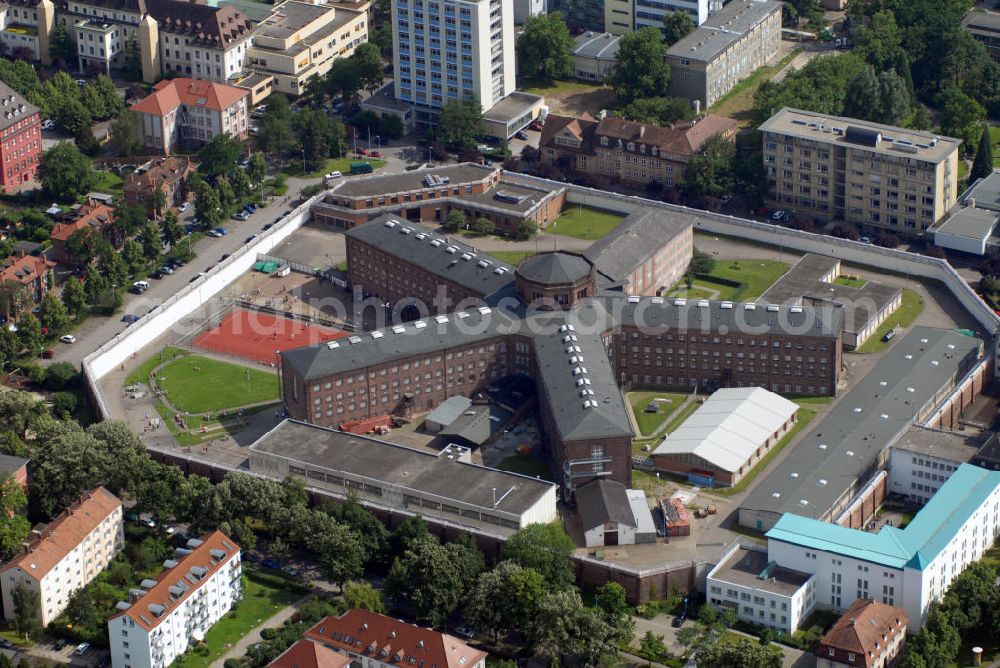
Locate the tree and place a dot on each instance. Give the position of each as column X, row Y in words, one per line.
column 711, row 171
column 894, row 99
column 962, row 117
column 483, row 226
column 132, row 62
column 545, row 47
column 219, row 156
column 982, row 166
column 652, row 646
column 159, row 201
column 659, row 110
column 862, row 96
column 564, row 626
column 408, row 532
column 367, row 61
column 341, row 555
column 381, row 36
column 73, row 296
column 227, row 196
column 320, row 137
column 73, row 116
column 454, row 221
column 133, row 252
column 677, row 25
column 14, row 527
column 610, row 601
column 257, row 169
column 111, row 103
column 126, row 133
column 504, row 599
column 525, row 230
column 460, row 123
column 149, row 246
column 745, row 653
column 29, row 331
column 641, row 70
column 170, row 228
column 65, row 173
column 80, row 245
column 343, row 81
column 819, row 86
column 363, row 595
column 545, row 548
column 27, row 611
column 426, row 578
column 275, row 134
column 207, row 205
column 59, row 375
column 52, row 315
column 879, row 41
column 701, row 263
column 60, row 45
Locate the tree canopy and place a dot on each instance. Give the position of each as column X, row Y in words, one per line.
column 641, row 70
column 545, row 548
column 65, row 172
column 545, row 47
column 460, row 123
column 676, row 25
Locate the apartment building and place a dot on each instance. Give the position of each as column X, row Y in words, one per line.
column 617, row 151
column 300, row 41
column 909, row 568
column 652, row 12
column 98, row 44
column 377, row 641
column 189, row 112
column 63, row 556
column 34, row 275
column 196, row 40
column 19, row 32
column 20, row 139
column 452, row 49
column 877, row 176
column 96, row 218
column 984, row 26
column 923, row 459
column 707, row 63
column 160, row 619
column 869, row 635
column 166, row 174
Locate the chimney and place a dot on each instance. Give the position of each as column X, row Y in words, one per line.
column 853, row 621
column 602, row 114
column 971, row 202
column 697, row 107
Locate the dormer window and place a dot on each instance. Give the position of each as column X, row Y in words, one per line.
column 642, row 148
column 654, row 150
column 604, row 141
column 631, row 146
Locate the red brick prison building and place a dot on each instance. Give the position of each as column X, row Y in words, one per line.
column 430, row 194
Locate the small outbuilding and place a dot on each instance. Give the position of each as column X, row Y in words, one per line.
column 446, row 413
column 613, row 515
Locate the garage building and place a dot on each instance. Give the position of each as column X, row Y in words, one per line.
column 613, row 515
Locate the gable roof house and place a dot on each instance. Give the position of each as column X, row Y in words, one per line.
column 93, row 216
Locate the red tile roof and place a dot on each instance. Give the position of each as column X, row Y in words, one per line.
column 162, row 171
column 685, row 138
column 390, row 640
column 307, row 654
column 92, row 214
column 65, row 532
column 864, row 631
column 171, row 93
column 25, row 269
column 179, row 578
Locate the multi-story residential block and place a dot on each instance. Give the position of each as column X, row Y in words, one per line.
column 98, row 44
column 923, row 459
column 619, row 151
column 189, row 112
column 452, row 49
column 910, row 567
column 19, row 32
column 96, row 218
column 877, row 176
column 197, row 40
column 196, row 588
column 727, row 48
column 652, row 12
column 166, row 174
column 376, row 641
column 301, row 40
column 985, row 27
column 66, row 554
column 760, row 591
column 869, row 635
column 20, row 139
column 34, row 275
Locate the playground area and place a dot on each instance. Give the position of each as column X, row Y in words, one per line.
column 256, row 336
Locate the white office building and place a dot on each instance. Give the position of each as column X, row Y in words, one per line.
column 196, row 588
column 452, row 49
column 910, row 567
column 66, row 554
column 652, row 12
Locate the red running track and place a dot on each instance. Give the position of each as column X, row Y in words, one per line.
column 256, row 336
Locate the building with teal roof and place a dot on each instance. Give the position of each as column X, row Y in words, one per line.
column 908, row 567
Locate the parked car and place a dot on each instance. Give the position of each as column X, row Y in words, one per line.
column 537, row 125
column 184, row 207
column 175, row 262
column 267, row 227
column 5, row 644
column 130, row 318
column 67, row 338
column 250, row 238
column 196, row 276
column 156, row 274
column 148, row 522
column 82, row 649
column 333, row 175
column 139, row 287
column 225, row 256
column 251, row 207
column 522, row 135
column 59, row 644
column 376, row 154
column 81, row 82
column 244, row 163
column 49, row 125
column 361, row 152
column 166, row 269
column 679, row 619
column 865, row 240
column 48, row 354
column 241, row 215
column 888, row 336
column 221, row 230
column 779, row 216
column 215, row 234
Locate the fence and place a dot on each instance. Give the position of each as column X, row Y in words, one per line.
column 294, row 266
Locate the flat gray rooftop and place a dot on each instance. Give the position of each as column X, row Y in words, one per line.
column 601, row 45
column 401, row 467
column 290, row 17
column 803, row 282
column 982, row 22
column 530, row 197
column 512, row 107
column 385, row 185
column 985, row 192
column 836, row 452
column 745, row 566
column 385, row 98
column 955, row 446
column 971, row 223
column 723, row 28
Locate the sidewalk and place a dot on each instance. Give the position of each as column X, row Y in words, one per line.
column 253, row 637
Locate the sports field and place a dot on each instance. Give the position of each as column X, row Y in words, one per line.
column 257, row 336
column 197, row 384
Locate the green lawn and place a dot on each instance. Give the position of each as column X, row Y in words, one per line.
column 108, row 183
column 704, row 288
column 199, row 384
column 512, row 257
column 536, row 87
column 650, row 422
column 695, row 292
column 756, row 275
column 738, row 102
column 584, row 222
column 342, row 165
column 850, row 282
column 995, row 137
column 904, row 316
column 262, row 599
column 141, row 373
column 531, row 466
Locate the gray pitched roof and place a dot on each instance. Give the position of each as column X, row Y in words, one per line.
column 603, row 501
column 555, row 268
column 442, row 255
column 639, row 236
column 13, row 107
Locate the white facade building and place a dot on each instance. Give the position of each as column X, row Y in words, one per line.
column 652, row 12
column 452, row 49
column 759, row 591
column 194, row 591
column 66, row 554
column 908, row 568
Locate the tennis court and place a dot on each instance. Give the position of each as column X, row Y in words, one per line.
column 256, row 336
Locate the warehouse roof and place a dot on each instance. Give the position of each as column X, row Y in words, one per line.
column 402, row 467
column 642, row 234
column 477, row 424
column 603, row 501
column 728, row 428
column 449, row 410
column 601, row 45
column 441, row 255
column 918, row 543
column 380, row 184
column 839, row 449
column 951, row 445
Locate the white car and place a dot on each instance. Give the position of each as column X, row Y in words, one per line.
column 333, row 175
column 67, row 338
column 215, row 234
column 183, row 207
